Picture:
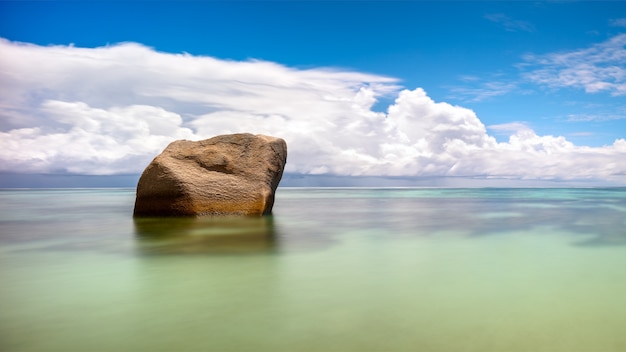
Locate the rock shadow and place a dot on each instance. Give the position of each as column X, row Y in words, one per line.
column 205, row 235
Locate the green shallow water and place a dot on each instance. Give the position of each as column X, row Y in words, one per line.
column 331, row 270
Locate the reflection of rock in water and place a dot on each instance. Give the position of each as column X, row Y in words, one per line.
column 225, row 235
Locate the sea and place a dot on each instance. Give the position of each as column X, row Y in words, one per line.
column 333, row 269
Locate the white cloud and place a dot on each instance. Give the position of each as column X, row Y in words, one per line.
column 112, row 109
column 601, row 67
column 510, row 127
column 85, row 140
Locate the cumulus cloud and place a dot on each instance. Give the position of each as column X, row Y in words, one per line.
column 109, row 110
column 601, row 67
column 85, row 140
column 515, row 127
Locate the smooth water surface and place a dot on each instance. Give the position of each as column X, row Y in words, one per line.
column 331, row 270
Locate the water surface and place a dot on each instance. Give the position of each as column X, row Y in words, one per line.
column 331, row 270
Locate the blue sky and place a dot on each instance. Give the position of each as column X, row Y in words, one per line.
column 528, row 69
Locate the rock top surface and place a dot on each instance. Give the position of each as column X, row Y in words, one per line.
column 233, row 174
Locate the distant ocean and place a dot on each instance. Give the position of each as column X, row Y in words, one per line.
column 334, row 269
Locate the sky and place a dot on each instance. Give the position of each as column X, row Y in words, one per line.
column 360, row 90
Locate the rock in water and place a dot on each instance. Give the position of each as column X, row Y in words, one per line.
column 229, row 174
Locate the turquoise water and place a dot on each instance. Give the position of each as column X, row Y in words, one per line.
column 331, row 270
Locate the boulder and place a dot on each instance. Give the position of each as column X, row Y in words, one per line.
column 233, row 174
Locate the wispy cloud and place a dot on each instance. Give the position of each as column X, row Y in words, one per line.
column 597, row 117
column 582, row 134
column 601, row 67
column 617, row 22
column 510, row 24
column 469, row 78
column 481, row 91
column 111, row 109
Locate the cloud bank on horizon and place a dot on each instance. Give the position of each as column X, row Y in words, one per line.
column 110, row 110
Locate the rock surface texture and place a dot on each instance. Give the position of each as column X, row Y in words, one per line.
column 228, row 174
